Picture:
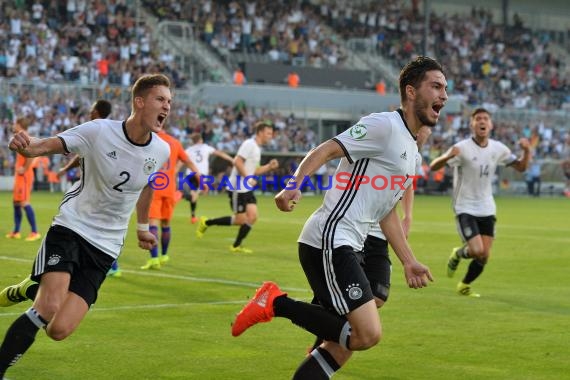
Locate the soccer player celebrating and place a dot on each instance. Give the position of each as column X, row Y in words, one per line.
column 380, row 144
column 375, row 256
column 23, row 183
column 475, row 161
column 88, row 232
column 101, row 109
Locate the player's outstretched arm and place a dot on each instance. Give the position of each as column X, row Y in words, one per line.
column 440, row 162
column 223, row 155
column 521, row 163
column 271, row 165
column 28, row 146
column 417, row 274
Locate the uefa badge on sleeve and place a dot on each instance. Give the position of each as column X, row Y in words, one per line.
column 358, row 131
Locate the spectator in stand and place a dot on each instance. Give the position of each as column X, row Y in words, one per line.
column 293, row 79
column 239, row 77
column 381, row 87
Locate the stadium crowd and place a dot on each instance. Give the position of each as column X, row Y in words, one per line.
column 285, row 31
column 101, row 42
column 487, row 63
column 79, row 41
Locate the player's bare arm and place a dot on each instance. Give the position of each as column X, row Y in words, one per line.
column 287, row 198
column 271, row 165
column 417, row 274
column 146, row 239
column 521, row 163
column 224, row 156
column 440, row 162
column 407, row 204
column 28, row 146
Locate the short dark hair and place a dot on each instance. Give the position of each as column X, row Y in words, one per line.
column 261, row 125
column 415, row 71
column 146, row 82
column 480, row 110
column 103, row 108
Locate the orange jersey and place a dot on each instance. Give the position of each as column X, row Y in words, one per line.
column 176, row 153
column 21, row 162
column 23, row 183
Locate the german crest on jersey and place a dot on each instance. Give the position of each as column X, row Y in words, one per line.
column 358, row 131
column 149, row 166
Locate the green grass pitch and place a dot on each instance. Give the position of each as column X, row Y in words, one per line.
column 175, row 323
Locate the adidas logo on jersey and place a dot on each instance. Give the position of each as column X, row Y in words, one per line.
column 112, row 154
column 404, row 156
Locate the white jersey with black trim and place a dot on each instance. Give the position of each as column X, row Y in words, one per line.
column 381, row 149
column 251, row 154
column 200, row 155
column 375, row 229
column 474, row 168
column 114, row 172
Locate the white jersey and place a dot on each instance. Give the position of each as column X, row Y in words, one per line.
column 115, row 170
column 200, row 155
column 474, row 168
column 375, row 229
column 251, row 153
column 381, row 148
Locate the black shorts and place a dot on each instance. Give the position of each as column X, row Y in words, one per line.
column 63, row 250
column 337, row 278
column 469, row 226
column 377, row 265
column 239, row 201
column 187, row 190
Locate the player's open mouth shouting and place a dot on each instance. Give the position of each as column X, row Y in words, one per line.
column 437, row 108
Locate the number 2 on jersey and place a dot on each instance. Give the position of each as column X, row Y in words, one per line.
column 127, row 176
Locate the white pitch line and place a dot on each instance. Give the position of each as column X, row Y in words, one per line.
column 147, row 307
column 18, row 259
column 181, row 277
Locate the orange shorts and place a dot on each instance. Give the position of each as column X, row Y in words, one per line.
column 161, row 207
column 23, row 188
